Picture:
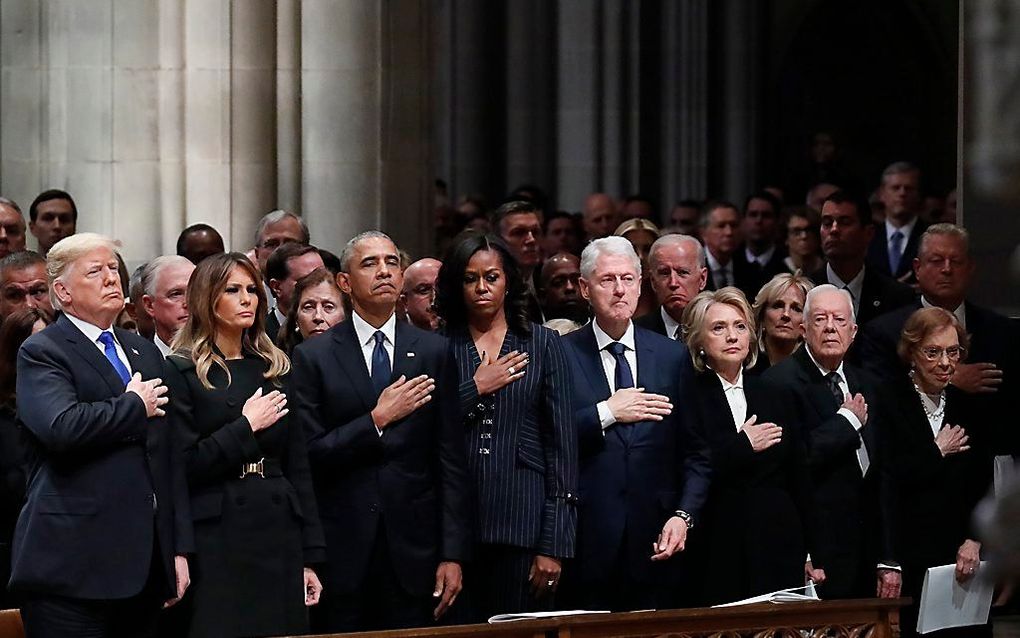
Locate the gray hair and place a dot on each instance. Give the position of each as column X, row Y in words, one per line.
column 944, row 230
column 68, row 250
column 278, row 215
column 897, row 168
column 10, row 203
column 607, row 246
column 822, row 289
column 345, row 255
column 676, row 239
column 20, row 261
column 152, row 270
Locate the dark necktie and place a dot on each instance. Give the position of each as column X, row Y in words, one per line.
column 624, row 376
column 110, row 350
column 380, row 363
column 832, row 379
column 895, row 252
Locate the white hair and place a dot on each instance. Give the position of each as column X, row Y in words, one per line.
column 822, row 289
column 677, row 239
column 68, row 250
column 275, row 216
column 348, row 251
column 607, row 246
column 150, row 274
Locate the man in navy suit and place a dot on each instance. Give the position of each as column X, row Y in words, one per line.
column 100, row 544
column 644, row 474
column 377, row 399
column 894, row 246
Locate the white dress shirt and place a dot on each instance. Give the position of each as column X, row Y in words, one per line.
column 725, row 273
column 162, row 346
column 736, row 398
column 366, row 338
column 672, row 327
column 763, row 258
column 960, row 313
column 609, row 366
column 862, row 451
column 92, row 332
column 905, row 230
column 854, row 286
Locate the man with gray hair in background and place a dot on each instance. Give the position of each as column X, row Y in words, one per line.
column 838, row 407
column 12, row 227
column 164, row 284
column 677, row 274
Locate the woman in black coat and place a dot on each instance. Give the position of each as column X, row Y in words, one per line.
column 518, row 429
column 257, row 530
column 755, row 529
column 941, row 463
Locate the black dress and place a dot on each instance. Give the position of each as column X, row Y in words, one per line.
column 12, row 491
column 757, row 524
column 936, row 495
column 253, row 535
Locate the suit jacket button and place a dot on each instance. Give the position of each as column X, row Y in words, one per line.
column 373, row 508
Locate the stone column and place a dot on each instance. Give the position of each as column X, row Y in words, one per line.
column 740, row 25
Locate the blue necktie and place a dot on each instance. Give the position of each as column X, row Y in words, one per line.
column 895, row 251
column 110, row 350
column 624, row 376
column 380, row 363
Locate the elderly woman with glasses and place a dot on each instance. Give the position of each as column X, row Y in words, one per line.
column 941, row 467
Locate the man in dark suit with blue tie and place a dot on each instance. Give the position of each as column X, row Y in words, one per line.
column 101, row 542
column 377, row 399
column 644, row 473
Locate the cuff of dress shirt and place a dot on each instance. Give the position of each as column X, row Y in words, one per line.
column 606, row 417
column 377, row 429
column 892, row 568
column 851, row 417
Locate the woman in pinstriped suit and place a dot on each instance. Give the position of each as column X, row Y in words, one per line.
column 518, row 429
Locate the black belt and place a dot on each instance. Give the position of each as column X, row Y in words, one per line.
column 262, row 468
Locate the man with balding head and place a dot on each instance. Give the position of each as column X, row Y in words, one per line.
column 419, row 294
column 23, row 283
column 165, row 297
column 840, row 413
column 198, row 241
column 599, row 216
column 559, row 289
column 677, row 273
column 12, row 227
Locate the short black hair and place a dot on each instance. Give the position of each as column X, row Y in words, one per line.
column 516, row 207
column 194, row 228
column 450, row 283
column 711, row 205
column 51, row 194
column 559, row 214
column 330, row 261
column 276, row 265
column 774, row 202
column 857, row 199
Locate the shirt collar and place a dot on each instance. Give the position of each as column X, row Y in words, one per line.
column 91, row 331
column 855, row 285
column 164, row 347
column 603, row 340
column 366, row 332
column 713, row 263
column 670, row 323
column 906, row 229
column 280, row 318
column 960, row 313
column 763, row 258
column 825, row 372
column 737, row 385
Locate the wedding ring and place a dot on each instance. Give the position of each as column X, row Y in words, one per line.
column 278, row 408
column 550, row 583
column 511, row 370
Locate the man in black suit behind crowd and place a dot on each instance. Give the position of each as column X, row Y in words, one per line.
column 377, row 399
column 840, row 413
column 100, row 545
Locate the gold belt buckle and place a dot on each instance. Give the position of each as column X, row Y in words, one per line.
column 253, row 468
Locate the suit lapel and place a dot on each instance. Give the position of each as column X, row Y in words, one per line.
column 405, row 359
column 88, row 351
column 591, row 363
column 853, row 382
column 352, row 362
column 647, row 376
column 818, row 394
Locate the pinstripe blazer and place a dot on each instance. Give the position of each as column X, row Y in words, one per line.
column 522, row 446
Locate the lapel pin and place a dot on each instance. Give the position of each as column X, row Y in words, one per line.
column 876, row 302
column 410, row 354
column 135, row 351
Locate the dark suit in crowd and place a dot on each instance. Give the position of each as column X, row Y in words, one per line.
column 936, row 495
column 254, row 534
column 634, row 476
column 755, row 275
column 879, row 294
column 12, row 491
column 522, row 457
column 746, row 277
column 392, row 505
column 878, row 252
column 758, row 522
column 652, row 321
column 107, row 505
column 854, row 509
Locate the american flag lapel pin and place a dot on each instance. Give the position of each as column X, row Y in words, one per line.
column 135, row 351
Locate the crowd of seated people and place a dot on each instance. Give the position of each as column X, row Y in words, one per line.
column 610, row 410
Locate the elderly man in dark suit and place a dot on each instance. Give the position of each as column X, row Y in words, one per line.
column 840, row 415
column 846, row 233
column 944, row 272
column 100, row 545
column 644, row 473
column 377, row 399
column 678, row 274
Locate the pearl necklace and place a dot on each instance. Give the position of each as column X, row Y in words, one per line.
column 940, row 409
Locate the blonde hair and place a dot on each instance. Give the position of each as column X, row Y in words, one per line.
column 68, row 250
column 197, row 339
column 773, row 290
column 694, row 323
column 636, row 223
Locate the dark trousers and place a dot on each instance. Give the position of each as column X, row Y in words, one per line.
column 379, row 603
column 48, row 616
column 620, row 590
column 496, row 582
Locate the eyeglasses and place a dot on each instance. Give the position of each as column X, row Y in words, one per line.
column 953, row 353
